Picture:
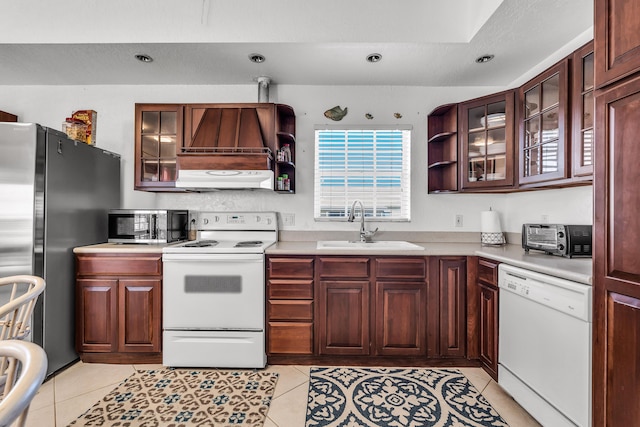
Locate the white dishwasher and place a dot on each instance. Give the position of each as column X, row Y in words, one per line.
column 545, row 345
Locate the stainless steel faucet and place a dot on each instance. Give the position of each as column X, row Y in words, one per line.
column 365, row 236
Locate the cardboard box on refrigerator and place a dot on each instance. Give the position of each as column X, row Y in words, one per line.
column 90, row 118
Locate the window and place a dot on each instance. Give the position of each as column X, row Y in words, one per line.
column 370, row 165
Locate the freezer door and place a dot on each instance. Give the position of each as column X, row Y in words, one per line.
column 81, row 184
column 17, row 185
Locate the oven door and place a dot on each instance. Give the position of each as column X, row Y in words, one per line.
column 213, row 292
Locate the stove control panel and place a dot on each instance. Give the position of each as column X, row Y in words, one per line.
column 237, row 220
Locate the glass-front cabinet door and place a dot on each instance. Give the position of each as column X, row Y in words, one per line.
column 487, row 142
column 158, row 135
column 583, row 112
column 543, row 133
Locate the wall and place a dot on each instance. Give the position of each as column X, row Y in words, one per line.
column 49, row 105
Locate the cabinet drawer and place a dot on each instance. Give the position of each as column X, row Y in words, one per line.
column 290, row 338
column 401, row 268
column 130, row 265
column 344, row 267
column 290, row 268
column 290, row 289
column 488, row 271
column 289, row 310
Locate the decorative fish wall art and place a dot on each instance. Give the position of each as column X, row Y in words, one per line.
column 336, row 113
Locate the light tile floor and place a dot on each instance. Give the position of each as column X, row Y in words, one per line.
column 70, row 393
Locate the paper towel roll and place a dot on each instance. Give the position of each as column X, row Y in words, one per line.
column 490, row 222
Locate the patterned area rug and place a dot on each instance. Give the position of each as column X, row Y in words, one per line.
column 180, row 397
column 380, row 397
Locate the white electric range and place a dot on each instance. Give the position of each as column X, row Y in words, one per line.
column 214, row 292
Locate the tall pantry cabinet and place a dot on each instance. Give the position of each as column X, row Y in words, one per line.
column 616, row 298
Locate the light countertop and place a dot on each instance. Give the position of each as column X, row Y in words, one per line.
column 576, row 269
column 119, row 247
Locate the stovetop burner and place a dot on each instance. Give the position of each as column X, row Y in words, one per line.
column 248, row 244
column 201, row 244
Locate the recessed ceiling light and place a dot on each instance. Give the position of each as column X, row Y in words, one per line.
column 144, row 58
column 484, row 58
column 374, row 57
column 256, row 57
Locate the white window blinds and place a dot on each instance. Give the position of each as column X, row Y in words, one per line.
column 371, row 165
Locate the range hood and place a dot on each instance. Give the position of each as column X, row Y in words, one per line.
column 211, row 180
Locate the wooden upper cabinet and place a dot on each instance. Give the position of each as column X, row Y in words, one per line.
column 582, row 107
column 244, row 136
column 617, row 40
column 442, row 149
column 158, row 134
column 487, row 142
column 544, row 131
column 8, row 117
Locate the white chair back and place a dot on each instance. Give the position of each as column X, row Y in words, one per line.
column 30, row 361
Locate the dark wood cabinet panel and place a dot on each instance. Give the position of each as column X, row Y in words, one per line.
column 8, row 117
column 158, row 135
column 290, row 305
column 289, row 310
column 452, row 287
column 289, row 289
column 400, row 318
column 489, row 329
column 343, row 317
column 488, row 297
column 120, row 265
column 487, row 142
column 447, row 330
column 616, row 289
column 290, row 267
column 442, row 149
column 119, row 295
column 96, row 315
column 583, row 112
column 335, row 267
column 543, row 108
column 401, row 268
column 488, row 271
column 140, row 325
column 617, row 40
column 294, row 338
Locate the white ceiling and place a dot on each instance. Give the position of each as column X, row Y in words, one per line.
column 305, row 42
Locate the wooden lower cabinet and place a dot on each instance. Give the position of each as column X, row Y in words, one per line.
column 400, row 318
column 488, row 297
column 118, row 307
column 290, row 306
column 343, row 317
column 448, row 319
column 367, row 309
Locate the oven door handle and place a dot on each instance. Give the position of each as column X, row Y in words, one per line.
column 213, row 257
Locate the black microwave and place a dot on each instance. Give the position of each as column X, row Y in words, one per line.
column 147, row 226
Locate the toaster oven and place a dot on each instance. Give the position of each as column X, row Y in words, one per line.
column 558, row 239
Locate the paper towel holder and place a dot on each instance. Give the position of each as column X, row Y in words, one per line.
column 493, row 237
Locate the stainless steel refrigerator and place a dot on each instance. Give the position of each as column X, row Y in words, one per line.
column 54, row 195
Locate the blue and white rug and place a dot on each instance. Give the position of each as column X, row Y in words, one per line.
column 381, row 397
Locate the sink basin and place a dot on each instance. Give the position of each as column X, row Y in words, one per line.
column 399, row 245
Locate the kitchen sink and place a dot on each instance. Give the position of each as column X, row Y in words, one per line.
column 399, row 245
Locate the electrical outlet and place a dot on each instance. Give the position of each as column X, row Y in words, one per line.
column 288, row 219
column 544, row 219
column 458, row 222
